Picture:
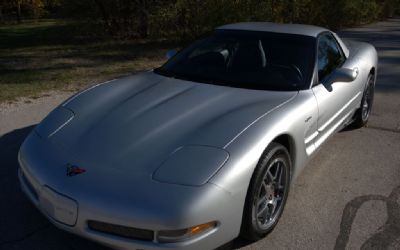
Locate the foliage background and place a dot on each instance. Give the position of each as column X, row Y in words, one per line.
column 69, row 44
column 187, row 19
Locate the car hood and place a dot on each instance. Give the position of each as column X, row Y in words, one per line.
column 137, row 122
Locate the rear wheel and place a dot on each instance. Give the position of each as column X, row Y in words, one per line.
column 267, row 193
column 363, row 113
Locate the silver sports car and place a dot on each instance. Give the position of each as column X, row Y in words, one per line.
column 203, row 149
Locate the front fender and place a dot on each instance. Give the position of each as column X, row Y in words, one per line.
column 296, row 119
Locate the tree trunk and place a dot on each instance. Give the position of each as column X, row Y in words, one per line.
column 273, row 10
column 143, row 19
column 105, row 15
column 19, row 19
column 143, row 25
column 293, row 11
column 35, row 11
column 1, row 14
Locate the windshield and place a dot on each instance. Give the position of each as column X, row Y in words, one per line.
column 246, row 59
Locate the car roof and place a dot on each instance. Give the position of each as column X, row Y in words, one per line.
column 298, row 29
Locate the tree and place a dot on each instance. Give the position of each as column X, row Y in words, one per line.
column 143, row 13
column 18, row 6
column 126, row 17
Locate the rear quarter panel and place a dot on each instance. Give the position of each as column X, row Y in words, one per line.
column 364, row 56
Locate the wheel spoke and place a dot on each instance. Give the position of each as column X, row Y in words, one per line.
column 262, row 212
column 279, row 182
column 261, row 200
column 273, row 205
column 271, row 176
column 263, row 187
column 278, row 166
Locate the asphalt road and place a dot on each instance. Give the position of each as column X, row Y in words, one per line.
column 348, row 197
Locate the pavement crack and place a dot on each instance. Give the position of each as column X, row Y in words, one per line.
column 386, row 235
column 26, row 236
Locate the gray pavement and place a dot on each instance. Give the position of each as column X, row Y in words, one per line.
column 348, row 197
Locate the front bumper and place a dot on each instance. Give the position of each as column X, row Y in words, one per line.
column 71, row 203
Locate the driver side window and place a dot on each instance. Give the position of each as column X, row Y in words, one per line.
column 330, row 56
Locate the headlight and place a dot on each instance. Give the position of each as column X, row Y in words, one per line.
column 169, row 236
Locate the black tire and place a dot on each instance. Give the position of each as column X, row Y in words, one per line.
column 362, row 114
column 253, row 228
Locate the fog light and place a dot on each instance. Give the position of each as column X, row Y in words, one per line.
column 184, row 234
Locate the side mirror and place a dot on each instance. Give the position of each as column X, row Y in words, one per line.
column 170, row 53
column 344, row 75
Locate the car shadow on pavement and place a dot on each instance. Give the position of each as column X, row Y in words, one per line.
column 22, row 226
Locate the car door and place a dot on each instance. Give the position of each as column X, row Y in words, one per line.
column 336, row 100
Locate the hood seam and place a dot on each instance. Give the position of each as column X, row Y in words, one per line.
column 257, row 119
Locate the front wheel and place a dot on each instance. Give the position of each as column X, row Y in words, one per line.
column 267, row 193
column 363, row 113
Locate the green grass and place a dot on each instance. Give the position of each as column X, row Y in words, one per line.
column 36, row 57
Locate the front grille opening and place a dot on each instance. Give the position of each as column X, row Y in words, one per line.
column 122, row 231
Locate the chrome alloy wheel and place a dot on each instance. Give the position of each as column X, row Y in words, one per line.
column 271, row 194
column 367, row 103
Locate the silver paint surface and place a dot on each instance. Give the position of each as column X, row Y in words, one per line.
column 143, row 141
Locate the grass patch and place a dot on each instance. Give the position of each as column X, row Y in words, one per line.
column 61, row 55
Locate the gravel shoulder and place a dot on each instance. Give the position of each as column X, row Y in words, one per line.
column 28, row 111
